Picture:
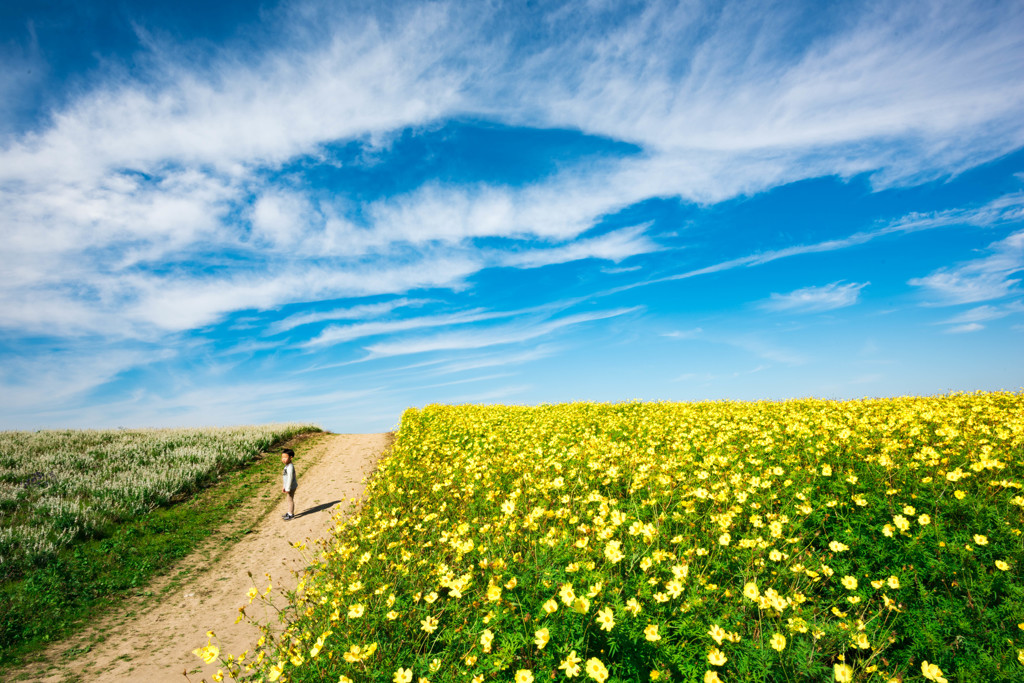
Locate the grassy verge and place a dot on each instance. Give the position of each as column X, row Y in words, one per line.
column 50, row 603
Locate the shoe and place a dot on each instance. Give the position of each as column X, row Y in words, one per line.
column 288, row 516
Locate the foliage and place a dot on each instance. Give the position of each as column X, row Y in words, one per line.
column 803, row 540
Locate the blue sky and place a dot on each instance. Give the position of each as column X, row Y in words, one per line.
column 234, row 212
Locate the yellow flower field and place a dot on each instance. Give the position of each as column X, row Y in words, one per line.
column 801, row 540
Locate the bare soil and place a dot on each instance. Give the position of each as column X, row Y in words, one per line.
column 151, row 638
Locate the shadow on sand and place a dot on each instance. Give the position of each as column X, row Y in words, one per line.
column 315, row 509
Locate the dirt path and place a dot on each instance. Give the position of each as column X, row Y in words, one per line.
column 153, row 642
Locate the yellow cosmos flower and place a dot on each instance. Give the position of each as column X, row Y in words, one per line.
column 606, row 618
column 541, row 638
column 597, row 670
column 571, row 665
column 893, row 582
column 550, row 606
column 861, row 641
column 486, row 639
column 932, row 672
column 581, row 605
column 717, row 633
column 402, row 676
column 717, row 657
column 208, row 653
column 959, row 495
column 980, row 540
column 429, row 624
column 901, row 522
column 837, row 547
column 849, row 582
column 750, row 591
column 566, row 594
column 355, row 611
column 843, row 673
column 524, row 676
column 633, row 606
column 924, row 520
column 1002, row 566
column 275, row 671
column 778, row 642
column 651, row 633
column 712, row 677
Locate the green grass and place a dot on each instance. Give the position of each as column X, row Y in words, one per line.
column 81, row 582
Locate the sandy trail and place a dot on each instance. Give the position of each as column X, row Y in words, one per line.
column 153, row 642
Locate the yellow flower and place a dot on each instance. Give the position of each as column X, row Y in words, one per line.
column 960, row 495
column 861, row 641
column 581, row 605
column 837, row 547
column 932, row 672
column 901, row 522
column 613, row 552
column 711, row 677
column 606, row 618
column 980, row 540
column 717, row 657
column 1020, row 656
column 218, row 677
column 778, row 642
column 724, row 539
column 567, row 595
column 208, row 653
column 550, row 606
column 894, row 582
column 1002, row 565
column 651, row 633
column 924, row 520
column 571, row 665
column 524, row 676
column 541, row 638
column 403, row 676
column 655, row 675
column 429, row 624
column 596, row 670
column 849, row 582
column 275, row 671
column 355, row 611
column 750, row 591
column 843, row 673
column 345, row 679
column 717, row 633
column 486, row 639
column 633, row 607
column 392, row 615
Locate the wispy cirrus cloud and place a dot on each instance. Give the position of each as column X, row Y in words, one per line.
column 483, row 338
column 982, row 279
column 815, row 299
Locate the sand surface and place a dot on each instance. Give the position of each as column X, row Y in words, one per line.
column 152, row 639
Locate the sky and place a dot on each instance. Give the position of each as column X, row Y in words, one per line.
column 248, row 212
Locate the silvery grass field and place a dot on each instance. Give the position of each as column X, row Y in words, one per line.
column 805, row 540
column 60, row 486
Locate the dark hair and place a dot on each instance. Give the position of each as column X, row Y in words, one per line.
column 289, row 452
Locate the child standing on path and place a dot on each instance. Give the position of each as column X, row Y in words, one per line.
column 291, row 482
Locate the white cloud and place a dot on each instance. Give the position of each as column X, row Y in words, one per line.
column 481, row 338
column 983, row 279
column 816, row 299
column 359, row 312
column 969, row 327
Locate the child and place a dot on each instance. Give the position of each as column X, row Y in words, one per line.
column 291, row 482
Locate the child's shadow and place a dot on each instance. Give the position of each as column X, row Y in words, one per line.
column 318, row 508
